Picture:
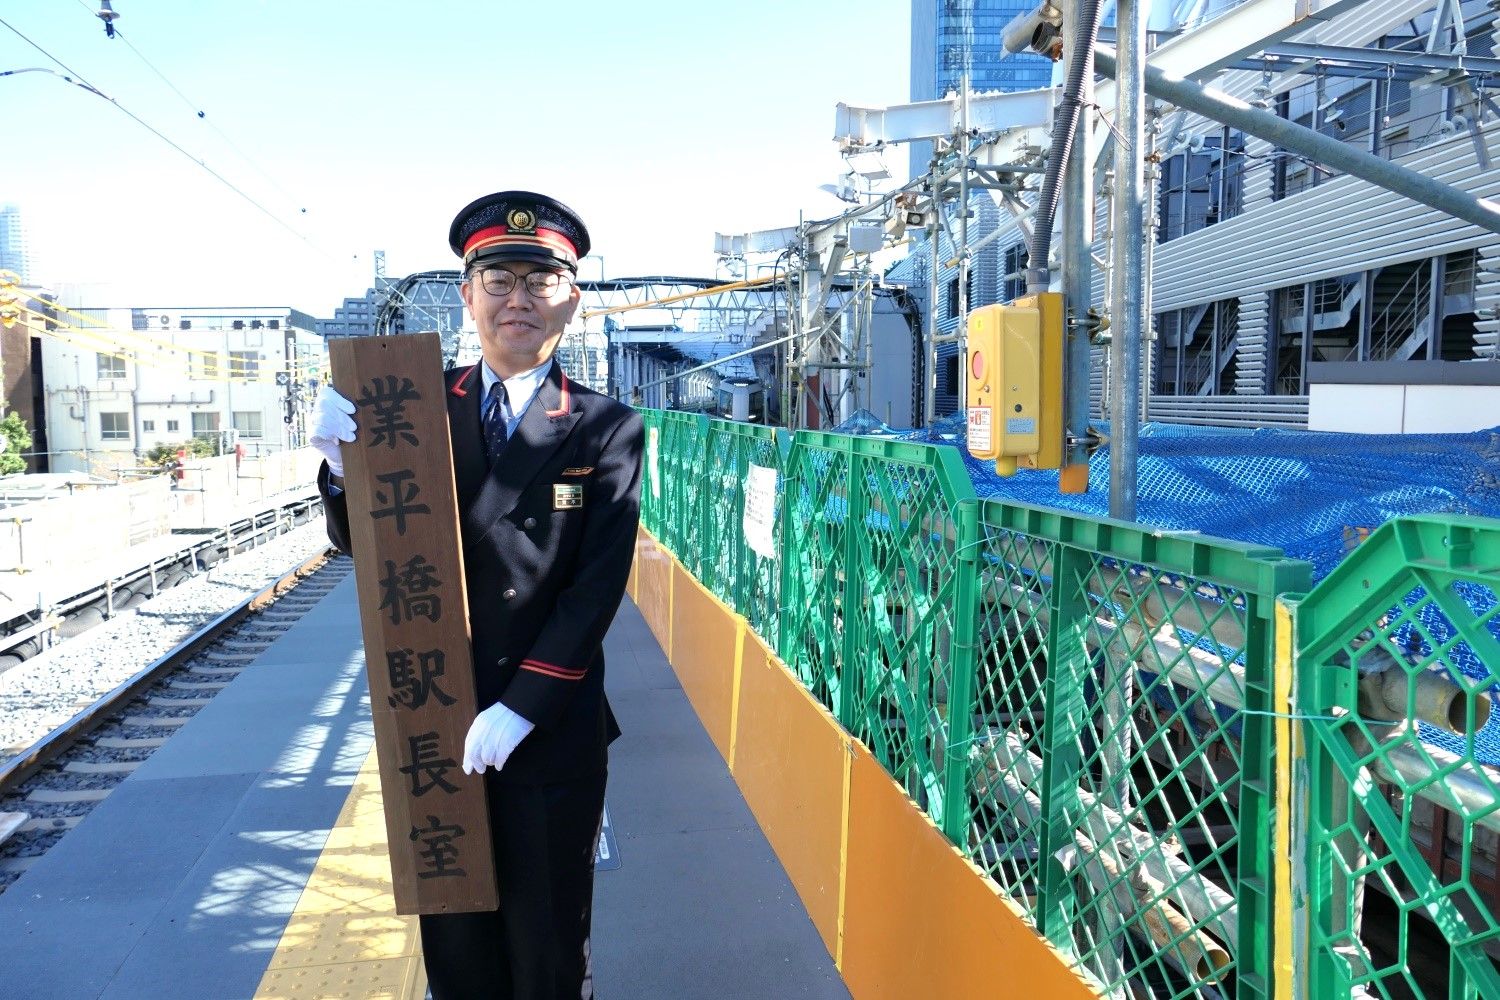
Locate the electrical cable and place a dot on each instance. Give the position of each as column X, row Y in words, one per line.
column 85, row 340
column 121, row 36
column 168, row 345
column 199, row 112
column 197, row 358
column 80, row 81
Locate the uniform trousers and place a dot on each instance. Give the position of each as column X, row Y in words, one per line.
column 536, row 946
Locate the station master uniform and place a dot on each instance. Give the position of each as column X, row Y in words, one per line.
column 548, row 534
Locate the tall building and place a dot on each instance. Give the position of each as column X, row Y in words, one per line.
column 947, row 35
column 15, row 255
column 1282, row 289
column 355, row 318
column 117, row 382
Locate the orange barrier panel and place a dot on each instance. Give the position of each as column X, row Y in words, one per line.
column 901, row 910
column 789, row 759
column 633, row 582
column 705, row 647
column 655, row 591
column 921, row 921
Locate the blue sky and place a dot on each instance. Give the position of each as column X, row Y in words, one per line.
column 367, row 125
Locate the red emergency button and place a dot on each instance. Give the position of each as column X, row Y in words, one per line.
column 976, row 363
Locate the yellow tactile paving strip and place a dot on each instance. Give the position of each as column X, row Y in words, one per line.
column 344, row 940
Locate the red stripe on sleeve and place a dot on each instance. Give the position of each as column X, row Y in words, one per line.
column 552, row 670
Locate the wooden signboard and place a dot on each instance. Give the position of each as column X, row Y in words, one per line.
column 408, row 566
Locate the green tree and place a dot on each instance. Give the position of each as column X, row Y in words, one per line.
column 162, row 455
column 17, row 440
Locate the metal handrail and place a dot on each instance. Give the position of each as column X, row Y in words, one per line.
column 1395, row 330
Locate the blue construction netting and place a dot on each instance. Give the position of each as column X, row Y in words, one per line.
column 1312, row 494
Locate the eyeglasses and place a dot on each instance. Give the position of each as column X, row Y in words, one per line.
column 540, row 284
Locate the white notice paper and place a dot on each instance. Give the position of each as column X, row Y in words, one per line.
column 653, row 459
column 979, row 429
column 760, row 511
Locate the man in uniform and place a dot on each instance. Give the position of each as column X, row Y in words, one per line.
column 548, row 479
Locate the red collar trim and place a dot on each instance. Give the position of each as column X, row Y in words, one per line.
column 458, row 387
column 564, row 403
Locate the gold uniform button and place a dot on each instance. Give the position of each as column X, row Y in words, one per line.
column 509, row 594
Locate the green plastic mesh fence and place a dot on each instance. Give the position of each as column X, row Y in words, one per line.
column 683, row 436
column 742, row 465
column 653, row 500
column 1397, row 655
column 1119, row 775
column 815, row 523
column 1086, row 708
column 890, row 508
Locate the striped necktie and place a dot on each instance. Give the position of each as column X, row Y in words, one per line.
column 494, row 422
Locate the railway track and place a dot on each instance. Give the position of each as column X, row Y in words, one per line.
column 48, row 789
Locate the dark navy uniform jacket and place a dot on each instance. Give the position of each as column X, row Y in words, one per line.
column 544, row 579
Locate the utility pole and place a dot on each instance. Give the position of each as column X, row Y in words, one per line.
column 83, row 405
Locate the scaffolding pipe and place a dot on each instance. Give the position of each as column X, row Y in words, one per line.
column 1156, row 599
column 1190, row 949
column 1129, row 278
column 929, row 391
column 964, row 262
column 1129, row 271
column 1077, row 261
column 1203, row 900
column 1385, row 174
column 1134, row 892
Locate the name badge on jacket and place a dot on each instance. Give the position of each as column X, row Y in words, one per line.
column 567, row 496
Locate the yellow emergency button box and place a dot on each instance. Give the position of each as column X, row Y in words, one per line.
column 1005, row 383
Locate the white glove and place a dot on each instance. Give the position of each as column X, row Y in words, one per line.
column 494, row 734
column 333, row 421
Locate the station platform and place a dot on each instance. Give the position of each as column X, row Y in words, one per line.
column 246, row 858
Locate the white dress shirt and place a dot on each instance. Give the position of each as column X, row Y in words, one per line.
column 520, row 390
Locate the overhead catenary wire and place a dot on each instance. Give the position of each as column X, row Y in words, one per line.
column 150, row 351
column 657, row 303
column 170, row 345
column 94, row 342
column 197, row 111
column 89, row 341
column 78, row 80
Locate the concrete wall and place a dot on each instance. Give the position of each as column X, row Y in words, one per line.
column 46, row 534
column 213, row 491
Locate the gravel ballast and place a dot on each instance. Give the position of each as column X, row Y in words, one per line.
column 44, row 692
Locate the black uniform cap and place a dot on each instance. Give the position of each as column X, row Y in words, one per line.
column 519, row 225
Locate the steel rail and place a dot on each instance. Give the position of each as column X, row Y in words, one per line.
column 46, row 750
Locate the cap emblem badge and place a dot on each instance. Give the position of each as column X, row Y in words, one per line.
column 521, row 220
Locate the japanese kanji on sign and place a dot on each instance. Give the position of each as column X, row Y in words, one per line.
column 408, row 566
